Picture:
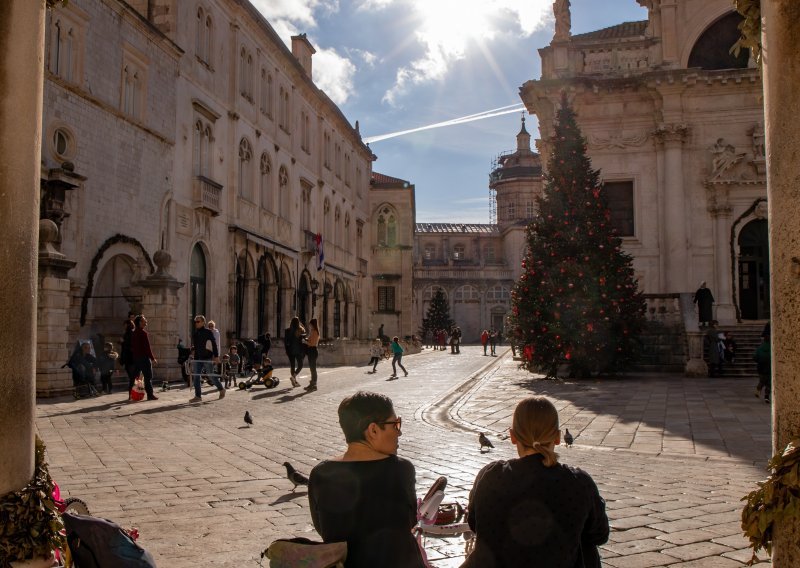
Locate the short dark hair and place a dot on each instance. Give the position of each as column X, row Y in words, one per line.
column 138, row 321
column 358, row 411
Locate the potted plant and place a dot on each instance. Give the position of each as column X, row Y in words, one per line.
column 30, row 525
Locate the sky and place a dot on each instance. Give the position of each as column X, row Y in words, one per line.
column 398, row 65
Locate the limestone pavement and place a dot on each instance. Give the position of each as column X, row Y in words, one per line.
column 672, row 456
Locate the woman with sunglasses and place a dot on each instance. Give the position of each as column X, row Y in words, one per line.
column 533, row 512
column 366, row 496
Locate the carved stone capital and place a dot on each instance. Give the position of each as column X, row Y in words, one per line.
column 671, row 133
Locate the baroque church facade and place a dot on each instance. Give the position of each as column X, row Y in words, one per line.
column 189, row 163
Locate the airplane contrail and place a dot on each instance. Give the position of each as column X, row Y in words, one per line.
column 508, row 109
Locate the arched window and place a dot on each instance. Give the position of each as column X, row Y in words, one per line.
column 467, row 293
column 391, row 231
column 200, row 34
column 498, row 293
column 430, row 292
column 713, row 48
column 197, row 282
column 245, row 159
column 338, row 298
column 209, row 40
column 266, row 169
column 238, row 295
column 337, row 226
column 381, row 230
column 283, row 192
column 202, row 149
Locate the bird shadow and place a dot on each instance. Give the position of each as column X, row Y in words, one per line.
column 243, row 427
column 288, row 497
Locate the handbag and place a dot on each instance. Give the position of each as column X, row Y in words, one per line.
column 137, row 392
column 305, row 553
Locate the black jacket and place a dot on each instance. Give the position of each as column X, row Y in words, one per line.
column 200, row 342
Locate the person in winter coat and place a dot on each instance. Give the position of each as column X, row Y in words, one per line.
column 375, row 352
column 763, row 359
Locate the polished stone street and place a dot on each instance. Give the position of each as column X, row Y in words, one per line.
column 672, row 456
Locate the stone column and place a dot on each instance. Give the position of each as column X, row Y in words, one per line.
column 781, row 19
column 726, row 313
column 21, row 82
column 160, row 306
column 671, row 137
column 52, row 345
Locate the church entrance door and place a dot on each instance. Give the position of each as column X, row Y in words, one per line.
column 754, row 270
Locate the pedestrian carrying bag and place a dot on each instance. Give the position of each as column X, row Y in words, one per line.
column 305, row 553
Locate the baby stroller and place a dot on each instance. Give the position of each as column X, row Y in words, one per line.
column 83, row 363
column 262, row 376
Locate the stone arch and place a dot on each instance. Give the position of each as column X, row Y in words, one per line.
column 117, row 239
column 304, row 299
column 285, row 307
column 756, row 212
column 266, row 294
column 109, row 304
column 708, row 24
column 385, row 223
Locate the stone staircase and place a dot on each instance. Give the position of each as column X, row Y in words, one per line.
column 748, row 338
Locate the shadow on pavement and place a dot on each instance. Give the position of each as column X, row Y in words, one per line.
column 288, row 497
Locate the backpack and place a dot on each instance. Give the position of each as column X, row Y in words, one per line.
column 99, row 543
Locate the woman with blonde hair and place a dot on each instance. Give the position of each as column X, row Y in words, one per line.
column 532, row 511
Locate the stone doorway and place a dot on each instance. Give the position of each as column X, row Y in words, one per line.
column 754, row 270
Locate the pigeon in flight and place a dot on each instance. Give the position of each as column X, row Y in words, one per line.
column 247, row 418
column 485, row 443
column 295, row 476
column 568, row 438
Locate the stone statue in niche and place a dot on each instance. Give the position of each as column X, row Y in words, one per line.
column 724, row 157
column 563, row 19
column 757, row 135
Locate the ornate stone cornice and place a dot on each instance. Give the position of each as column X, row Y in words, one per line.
column 618, row 140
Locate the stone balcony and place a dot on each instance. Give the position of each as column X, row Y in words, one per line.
column 451, row 273
column 207, row 195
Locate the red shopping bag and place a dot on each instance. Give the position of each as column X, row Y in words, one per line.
column 137, row 392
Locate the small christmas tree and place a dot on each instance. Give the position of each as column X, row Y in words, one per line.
column 438, row 316
column 576, row 302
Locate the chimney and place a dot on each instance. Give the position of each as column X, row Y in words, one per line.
column 302, row 51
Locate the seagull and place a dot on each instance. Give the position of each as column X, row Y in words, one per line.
column 295, row 476
column 485, row 443
column 568, row 438
column 247, row 418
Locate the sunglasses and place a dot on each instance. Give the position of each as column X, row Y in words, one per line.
column 396, row 423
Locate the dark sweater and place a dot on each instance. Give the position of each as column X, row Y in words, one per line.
column 370, row 504
column 140, row 345
column 200, row 341
column 526, row 515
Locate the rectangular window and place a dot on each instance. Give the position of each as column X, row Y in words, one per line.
column 386, row 298
column 619, row 195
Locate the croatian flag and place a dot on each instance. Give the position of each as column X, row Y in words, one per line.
column 320, row 252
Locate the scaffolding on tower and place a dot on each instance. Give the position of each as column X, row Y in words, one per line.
column 495, row 175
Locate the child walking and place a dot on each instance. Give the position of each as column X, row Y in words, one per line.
column 375, row 352
column 106, row 363
column 233, row 361
column 397, row 349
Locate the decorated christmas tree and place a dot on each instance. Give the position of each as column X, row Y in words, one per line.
column 438, row 316
column 577, row 302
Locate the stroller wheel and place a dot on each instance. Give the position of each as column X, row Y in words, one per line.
column 242, row 385
column 77, row 506
column 75, row 394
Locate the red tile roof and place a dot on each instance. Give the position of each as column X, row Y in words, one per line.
column 624, row 30
column 379, row 178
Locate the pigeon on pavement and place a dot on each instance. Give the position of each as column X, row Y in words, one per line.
column 568, row 438
column 485, row 443
column 247, row 418
column 295, row 476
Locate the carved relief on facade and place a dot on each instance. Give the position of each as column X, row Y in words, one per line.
column 671, row 133
column 618, row 140
column 723, row 158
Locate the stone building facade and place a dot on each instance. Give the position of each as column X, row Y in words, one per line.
column 674, row 122
column 189, row 164
column 476, row 265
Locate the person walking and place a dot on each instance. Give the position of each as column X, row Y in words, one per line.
column 493, row 341
column 763, row 359
column 126, row 353
column 142, row 355
column 295, row 349
column 485, row 340
column 705, row 304
column 217, row 335
column 715, row 347
column 375, row 352
column 206, row 354
column 312, row 341
column 397, row 350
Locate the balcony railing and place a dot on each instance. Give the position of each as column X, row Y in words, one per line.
column 309, row 242
column 456, row 274
column 207, row 194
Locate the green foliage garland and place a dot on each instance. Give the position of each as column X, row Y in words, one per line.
column 30, row 525
column 750, row 28
column 775, row 501
column 576, row 302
